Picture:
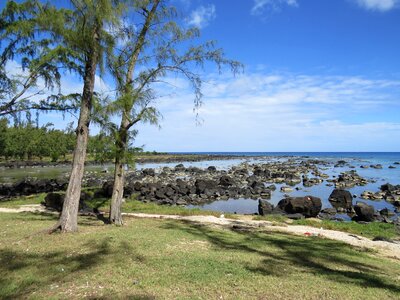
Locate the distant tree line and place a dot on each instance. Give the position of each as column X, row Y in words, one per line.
column 27, row 141
column 139, row 44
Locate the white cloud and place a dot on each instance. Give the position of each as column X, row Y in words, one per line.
column 202, row 16
column 260, row 6
column 378, row 5
column 280, row 112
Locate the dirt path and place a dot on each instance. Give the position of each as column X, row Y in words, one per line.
column 387, row 249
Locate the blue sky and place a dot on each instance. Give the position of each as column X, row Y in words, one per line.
column 320, row 75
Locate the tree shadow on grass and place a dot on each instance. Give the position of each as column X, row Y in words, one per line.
column 282, row 254
column 25, row 272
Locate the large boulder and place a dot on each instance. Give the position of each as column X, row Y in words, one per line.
column 226, row 181
column 148, row 172
column 341, row 199
column 56, row 200
column 264, row 207
column 107, row 188
column 205, row 184
column 364, row 212
column 30, row 186
column 308, row 206
column 212, row 169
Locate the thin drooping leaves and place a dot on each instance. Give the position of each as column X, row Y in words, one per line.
column 157, row 48
column 30, row 62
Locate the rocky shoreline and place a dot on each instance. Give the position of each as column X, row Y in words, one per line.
column 180, row 185
column 140, row 159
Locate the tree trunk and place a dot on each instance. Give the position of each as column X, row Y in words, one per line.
column 69, row 215
column 119, row 175
column 121, row 143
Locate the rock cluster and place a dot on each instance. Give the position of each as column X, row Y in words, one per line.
column 32, row 186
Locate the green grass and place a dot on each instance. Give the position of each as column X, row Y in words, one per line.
column 130, row 206
column 152, row 259
column 23, row 200
column 370, row 230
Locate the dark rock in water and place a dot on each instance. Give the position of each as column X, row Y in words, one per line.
column 212, row 169
column 378, row 166
column 341, row 198
column 148, row 172
column 264, row 207
column 258, row 171
column 386, row 212
column 340, row 163
column 205, row 184
column 226, row 181
column 179, row 167
column 387, row 187
column 392, row 167
column 364, row 212
column 308, row 206
column 329, row 211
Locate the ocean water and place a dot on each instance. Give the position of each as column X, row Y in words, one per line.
column 248, row 206
column 356, row 159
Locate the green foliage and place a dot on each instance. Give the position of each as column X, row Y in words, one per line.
column 101, row 147
column 27, row 141
column 25, row 42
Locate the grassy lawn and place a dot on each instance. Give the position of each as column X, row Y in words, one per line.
column 371, row 230
column 152, row 259
column 23, row 200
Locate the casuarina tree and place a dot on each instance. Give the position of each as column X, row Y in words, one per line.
column 158, row 47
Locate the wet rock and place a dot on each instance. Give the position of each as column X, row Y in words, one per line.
column 364, row 212
column 264, row 207
column 386, row 212
column 179, row 167
column 148, row 172
column 387, row 187
column 203, row 185
column 308, row 206
column 286, row 189
column 341, row 198
column 226, row 181
column 329, row 211
column 212, row 169
column 378, row 166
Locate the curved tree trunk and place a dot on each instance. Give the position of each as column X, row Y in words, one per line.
column 69, row 216
column 119, row 175
column 122, row 139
